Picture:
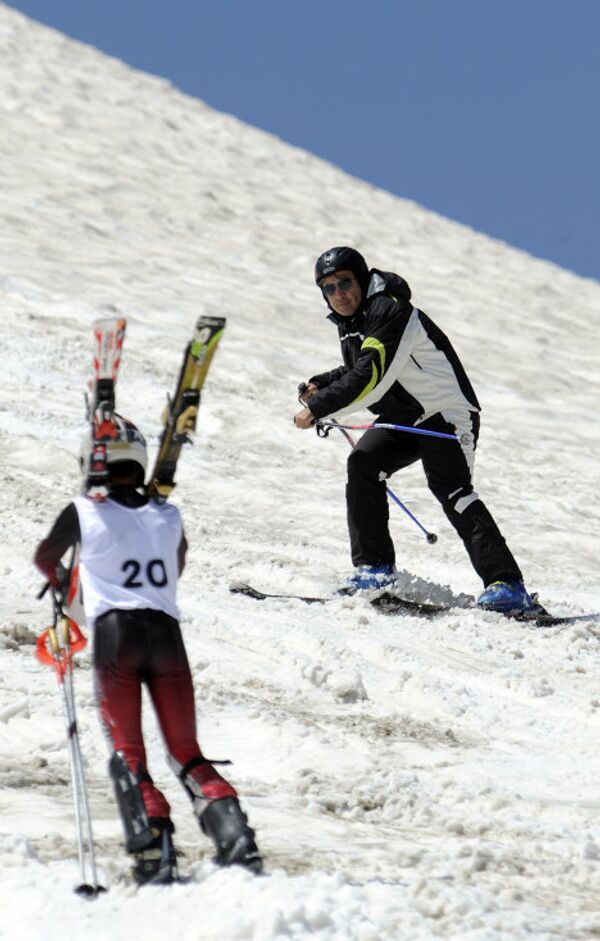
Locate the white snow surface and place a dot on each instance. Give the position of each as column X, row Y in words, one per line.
column 407, row 779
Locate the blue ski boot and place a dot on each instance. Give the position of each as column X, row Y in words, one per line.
column 371, row 576
column 506, row 597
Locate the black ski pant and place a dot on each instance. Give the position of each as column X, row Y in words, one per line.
column 448, row 469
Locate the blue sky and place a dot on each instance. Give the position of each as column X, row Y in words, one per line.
column 486, row 111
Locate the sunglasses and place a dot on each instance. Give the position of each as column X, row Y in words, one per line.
column 344, row 285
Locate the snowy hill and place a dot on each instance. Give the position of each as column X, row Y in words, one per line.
column 407, row 779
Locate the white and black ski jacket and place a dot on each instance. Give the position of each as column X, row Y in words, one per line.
column 397, row 362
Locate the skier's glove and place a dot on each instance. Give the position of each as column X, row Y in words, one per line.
column 305, row 390
column 59, row 583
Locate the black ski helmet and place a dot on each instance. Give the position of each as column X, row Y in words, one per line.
column 342, row 258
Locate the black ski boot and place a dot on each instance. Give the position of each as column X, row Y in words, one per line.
column 156, row 863
column 225, row 822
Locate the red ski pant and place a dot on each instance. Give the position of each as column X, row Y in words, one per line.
column 145, row 647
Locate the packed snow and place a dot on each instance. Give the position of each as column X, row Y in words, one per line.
column 407, row 779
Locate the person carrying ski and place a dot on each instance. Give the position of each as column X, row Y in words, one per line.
column 131, row 553
column 401, row 366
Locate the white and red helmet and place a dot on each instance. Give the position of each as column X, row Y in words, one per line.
column 129, row 446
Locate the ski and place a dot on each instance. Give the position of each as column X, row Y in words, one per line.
column 241, row 588
column 109, row 334
column 401, row 605
column 538, row 616
column 389, row 603
column 392, row 604
column 182, row 409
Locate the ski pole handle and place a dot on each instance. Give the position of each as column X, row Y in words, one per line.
column 51, row 650
column 42, row 590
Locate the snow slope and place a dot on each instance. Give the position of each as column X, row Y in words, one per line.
column 407, row 779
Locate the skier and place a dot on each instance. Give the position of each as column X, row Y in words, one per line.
column 399, row 365
column 132, row 550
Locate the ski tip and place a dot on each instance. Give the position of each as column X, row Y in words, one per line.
column 238, row 586
column 88, row 891
column 242, row 588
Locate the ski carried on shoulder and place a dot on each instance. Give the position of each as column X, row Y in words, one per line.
column 392, row 604
column 109, row 334
column 182, row 409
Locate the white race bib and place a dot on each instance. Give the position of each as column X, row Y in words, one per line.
column 128, row 556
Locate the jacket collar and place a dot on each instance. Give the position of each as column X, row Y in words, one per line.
column 380, row 282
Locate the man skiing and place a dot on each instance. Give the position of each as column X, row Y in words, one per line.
column 132, row 551
column 399, row 365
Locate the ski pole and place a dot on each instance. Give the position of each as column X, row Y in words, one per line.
column 55, row 647
column 431, row 537
column 333, row 423
column 320, row 423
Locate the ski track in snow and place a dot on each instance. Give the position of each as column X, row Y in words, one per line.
column 406, row 778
